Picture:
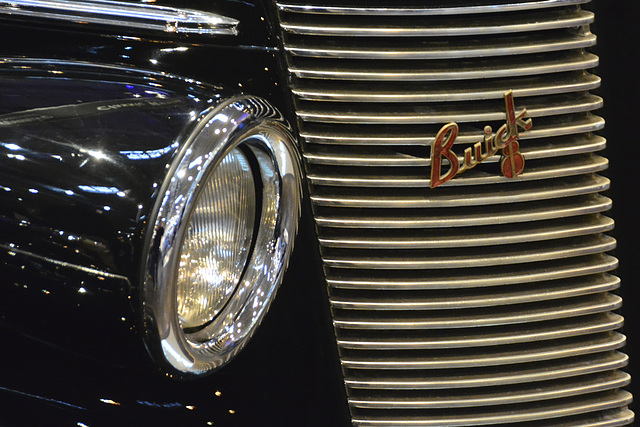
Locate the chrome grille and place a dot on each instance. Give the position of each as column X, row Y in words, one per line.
column 485, row 301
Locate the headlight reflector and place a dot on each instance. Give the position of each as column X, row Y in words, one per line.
column 217, row 241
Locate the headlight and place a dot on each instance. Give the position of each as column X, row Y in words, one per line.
column 221, row 235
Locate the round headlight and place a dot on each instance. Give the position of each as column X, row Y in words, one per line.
column 220, row 238
column 217, row 242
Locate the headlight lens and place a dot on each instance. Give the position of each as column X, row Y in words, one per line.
column 217, row 241
column 220, row 236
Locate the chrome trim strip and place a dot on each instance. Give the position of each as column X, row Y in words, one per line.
column 574, row 247
column 120, row 14
column 552, row 105
column 477, row 298
column 490, row 68
column 64, row 264
column 532, row 393
column 429, row 239
column 439, row 92
column 577, row 20
column 472, row 197
column 554, row 127
column 568, row 268
column 575, row 144
column 536, row 414
column 500, row 215
column 368, row 11
column 606, row 341
column 570, row 167
column 561, row 368
column 454, row 320
column 521, row 46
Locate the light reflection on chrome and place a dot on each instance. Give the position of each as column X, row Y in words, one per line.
column 252, row 125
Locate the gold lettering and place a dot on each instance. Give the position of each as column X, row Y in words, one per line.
column 440, row 148
column 505, row 139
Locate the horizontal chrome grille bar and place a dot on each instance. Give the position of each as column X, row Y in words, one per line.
column 559, row 168
column 384, row 157
column 571, row 267
column 445, row 93
column 550, row 127
column 524, row 192
column 503, row 67
column 552, row 106
column 447, row 319
column 515, row 46
column 430, row 239
column 416, row 299
column 570, row 347
column 500, row 215
column 533, row 412
column 547, row 391
column 565, row 248
column 494, row 376
column 506, row 335
column 453, row 27
column 392, row 9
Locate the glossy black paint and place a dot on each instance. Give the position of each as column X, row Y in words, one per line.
column 616, row 26
column 82, row 163
column 96, row 371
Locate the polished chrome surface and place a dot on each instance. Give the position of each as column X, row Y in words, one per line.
column 149, row 17
column 252, row 126
column 546, row 21
column 486, row 300
column 416, row 10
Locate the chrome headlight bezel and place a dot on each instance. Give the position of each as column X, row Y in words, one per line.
column 253, row 126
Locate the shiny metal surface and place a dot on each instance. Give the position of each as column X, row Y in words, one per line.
column 546, row 21
column 416, row 10
column 140, row 17
column 517, row 45
column 251, row 125
column 486, row 300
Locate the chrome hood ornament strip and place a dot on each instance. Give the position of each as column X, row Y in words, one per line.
column 120, row 14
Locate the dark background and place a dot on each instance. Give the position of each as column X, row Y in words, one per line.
column 618, row 29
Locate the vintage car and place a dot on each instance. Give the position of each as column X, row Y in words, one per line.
column 323, row 213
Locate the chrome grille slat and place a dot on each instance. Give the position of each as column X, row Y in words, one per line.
column 386, row 157
column 553, row 390
column 505, row 335
column 474, row 358
column 489, row 377
column 444, row 71
column 416, row 26
column 430, row 239
column 474, row 298
column 520, row 413
column 438, row 92
column 434, row 114
column 449, row 218
column 448, row 319
column 519, row 45
column 471, row 303
column 392, row 9
column 453, row 258
column 347, row 136
column 481, row 277
column 400, row 198
column 535, row 171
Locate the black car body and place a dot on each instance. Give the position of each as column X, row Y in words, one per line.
column 483, row 300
